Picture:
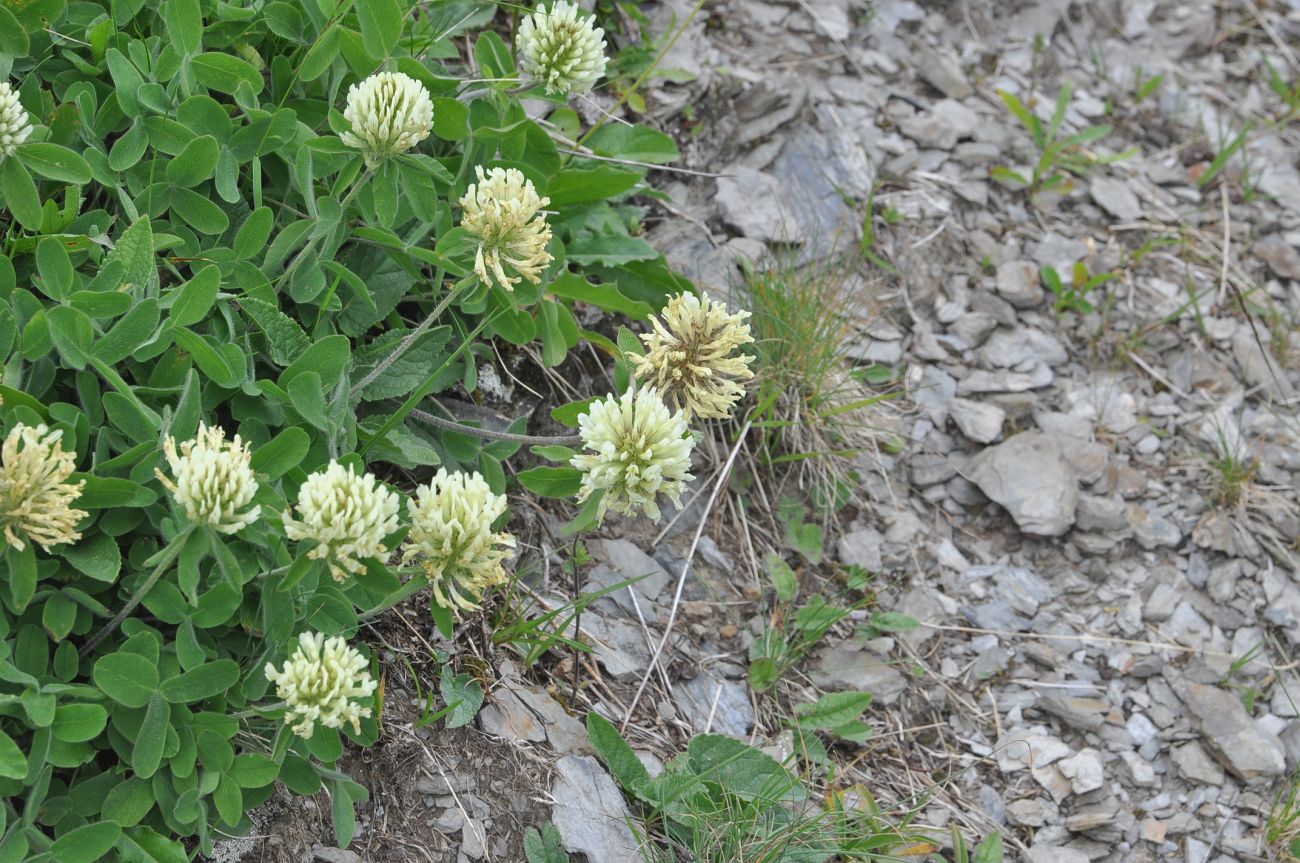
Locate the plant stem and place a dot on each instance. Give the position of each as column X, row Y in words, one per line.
column 488, row 434
column 169, row 555
column 405, row 344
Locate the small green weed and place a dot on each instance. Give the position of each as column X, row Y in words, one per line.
column 1282, row 827
column 722, row 801
column 1233, row 473
column 1073, row 297
column 1287, row 91
column 1058, row 157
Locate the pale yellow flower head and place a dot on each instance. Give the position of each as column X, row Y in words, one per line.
column 638, row 450
column 212, row 479
column 15, row 124
column 502, row 210
column 35, row 497
column 452, row 538
column 320, row 683
column 561, row 49
column 693, row 357
column 346, row 514
column 390, row 113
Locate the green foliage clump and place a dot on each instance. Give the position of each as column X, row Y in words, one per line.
column 188, row 242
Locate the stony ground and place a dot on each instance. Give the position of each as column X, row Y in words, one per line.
column 1104, row 669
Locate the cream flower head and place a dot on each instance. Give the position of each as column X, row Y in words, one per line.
column 560, row 49
column 501, row 209
column 451, row 537
column 214, row 481
column 346, row 514
column 691, row 356
column 390, row 113
column 320, row 682
column 639, row 449
column 15, row 125
column 35, row 496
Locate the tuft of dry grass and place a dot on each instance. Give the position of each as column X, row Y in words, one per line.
column 815, row 407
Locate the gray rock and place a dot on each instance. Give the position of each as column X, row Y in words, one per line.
column 522, row 714
column 1237, row 741
column 941, row 69
column 769, row 104
column 1151, row 530
column 753, row 202
column 848, row 667
column 861, row 548
column 590, row 812
column 1021, row 588
column 715, row 704
column 1140, row 771
column 335, row 855
column 1101, row 513
column 1161, row 604
column 981, row 422
column 1021, row 748
column 1084, row 769
column 1008, row 348
column 1028, row 476
column 1115, row 197
column 1258, row 365
column 997, row 616
column 973, row 327
column 1005, row 381
column 1017, row 283
column 942, row 126
column 1195, row 764
column 931, row 469
column 1281, row 257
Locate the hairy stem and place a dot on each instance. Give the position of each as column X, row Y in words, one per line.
column 488, row 434
column 169, row 555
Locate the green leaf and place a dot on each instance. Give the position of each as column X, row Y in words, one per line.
column 207, row 680
column 784, row 580
column 381, row 26
column 86, row 844
column 250, row 240
column 606, row 296
column 229, row 800
column 567, row 414
column 210, row 361
column 151, row 740
column 252, row 770
column 343, row 814
column 195, row 297
column 285, row 338
column 622, row 762
column 328, row 357
column 225, row 72
column 450, row 119
column 196, row 163
column 831, row 710
column 893, row 621
column 184, row 24
column 13, row 764
column 58, row 616
column 282, row 453
column 77, row 723
column 308, row 399
column 134, row 329
column 463, row 695
column 54, row 161
column 145, row 845
column 545, row 846
column 97, row 556
column 112, row 492
column 127, row 678
column 13, row 38
column 20, row 193
column 495, row 59
column 557, row 482
column 128, row 802
column 73, row 334
column 55, row 267
column 610, row 250
column 584, row 185
column 989, row 851
column 637, row 143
